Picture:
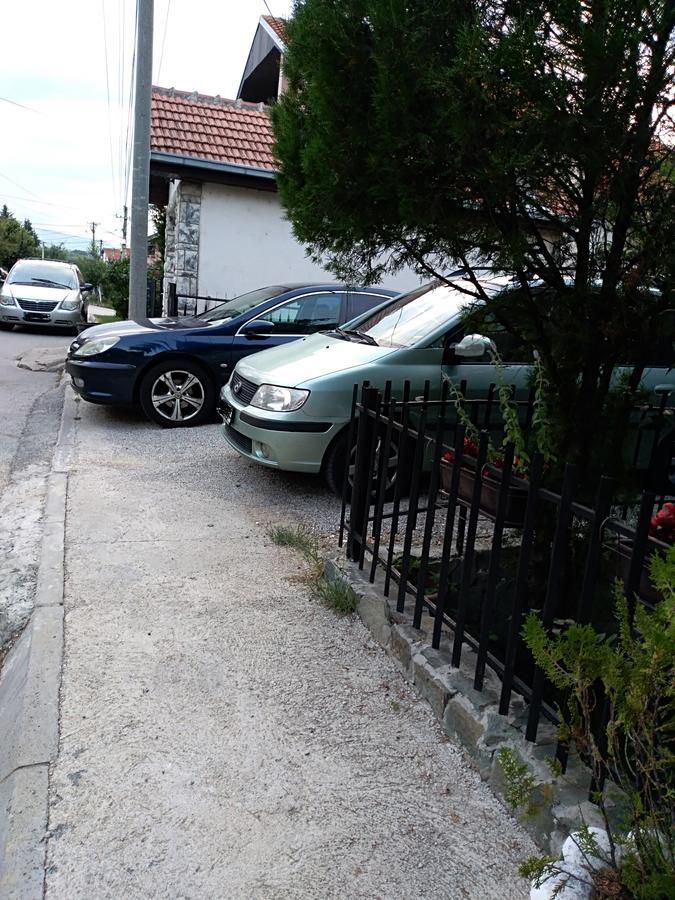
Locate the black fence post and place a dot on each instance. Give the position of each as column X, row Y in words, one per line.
column 172, row 301
column 559, row 552
column 640, row 545
column 346, row 489
column 360, row 499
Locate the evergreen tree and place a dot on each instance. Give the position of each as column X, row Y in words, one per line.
column 535, row 136
column 16, row 241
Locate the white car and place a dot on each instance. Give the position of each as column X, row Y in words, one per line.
column 44, row 292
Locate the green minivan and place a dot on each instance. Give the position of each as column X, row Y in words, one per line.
column 289, row 407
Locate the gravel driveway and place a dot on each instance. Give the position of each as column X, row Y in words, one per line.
column 223, row 734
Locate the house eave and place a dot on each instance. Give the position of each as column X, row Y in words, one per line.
column 210, row 165
column 272, row 33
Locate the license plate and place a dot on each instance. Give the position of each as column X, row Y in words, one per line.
column 228, row 413
column 36, row 317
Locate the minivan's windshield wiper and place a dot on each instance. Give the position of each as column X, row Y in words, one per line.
column 359, row 336
column 53, row 283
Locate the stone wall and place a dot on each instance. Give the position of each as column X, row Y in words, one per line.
column 181, row 262
column 472, row 719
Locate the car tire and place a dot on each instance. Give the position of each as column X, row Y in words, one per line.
column 177, row 394
column 6, row 326
column 334, row 464
column 334, row 467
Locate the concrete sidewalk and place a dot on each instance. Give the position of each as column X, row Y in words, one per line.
column 221, row 733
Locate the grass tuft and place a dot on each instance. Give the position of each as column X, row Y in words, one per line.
column 336, row 595
column 298, row 538
column 331, row 591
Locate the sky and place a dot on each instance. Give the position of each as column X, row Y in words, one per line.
column 65, row 76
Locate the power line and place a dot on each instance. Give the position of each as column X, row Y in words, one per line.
column 43, row 202
column 16, row 184
column 121, row 72
column 166, row 25
column 129, row 132
column 107, row 91
column 21, row 105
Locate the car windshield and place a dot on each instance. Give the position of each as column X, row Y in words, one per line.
column 42, row 273
column 238, row 305
column 419, row 313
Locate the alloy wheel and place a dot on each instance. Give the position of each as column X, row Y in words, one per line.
column 391, row 464
column 177, row 395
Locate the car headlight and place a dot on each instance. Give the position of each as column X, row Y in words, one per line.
column 279, row 399
column 70, row 304
column 7, row 300
column 93, row 348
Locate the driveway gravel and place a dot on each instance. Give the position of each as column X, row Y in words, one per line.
column 222, row 733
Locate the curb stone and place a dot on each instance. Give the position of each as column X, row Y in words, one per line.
column 472, row 718
column 29, row 697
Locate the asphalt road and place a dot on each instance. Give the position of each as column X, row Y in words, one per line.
column 30, row 411
column 20, row 389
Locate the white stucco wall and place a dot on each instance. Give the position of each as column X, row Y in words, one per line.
column 245, row 243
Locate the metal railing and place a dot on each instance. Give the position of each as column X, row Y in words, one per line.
column 189, row 304
column 415, row 500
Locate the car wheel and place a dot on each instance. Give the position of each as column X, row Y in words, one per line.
column 177, row 394
column 6, row 326
column 334, row 465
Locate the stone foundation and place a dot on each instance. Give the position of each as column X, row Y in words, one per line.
column 470, row 717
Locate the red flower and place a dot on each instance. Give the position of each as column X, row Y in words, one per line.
column 663, row 524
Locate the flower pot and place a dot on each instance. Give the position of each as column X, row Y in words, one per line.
column 516, row 500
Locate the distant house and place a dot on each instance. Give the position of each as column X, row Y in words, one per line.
column 211, row 164
column 114, row 254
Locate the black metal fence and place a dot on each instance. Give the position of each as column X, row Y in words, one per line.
column 432, row 513
column 154, row 298
column 189, row 304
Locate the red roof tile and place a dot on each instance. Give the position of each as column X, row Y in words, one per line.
column 278, row 26
column 211, row 128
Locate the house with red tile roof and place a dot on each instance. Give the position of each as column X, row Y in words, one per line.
column 212, row 165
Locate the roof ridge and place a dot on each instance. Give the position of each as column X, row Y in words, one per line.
column 216, row 99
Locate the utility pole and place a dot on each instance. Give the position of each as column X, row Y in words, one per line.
column 43, row 248
column 124, row 229
column 93, row 225
column 140, row 186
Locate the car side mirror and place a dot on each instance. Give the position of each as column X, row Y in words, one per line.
column 257, row 328
column 472, row 346
column 86, row 287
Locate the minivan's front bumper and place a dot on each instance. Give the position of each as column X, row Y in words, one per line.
column 57, row 318
column 293, row 442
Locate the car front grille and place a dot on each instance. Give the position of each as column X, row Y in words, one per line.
column 242, row 389
column 37, row 305
column 240, row 440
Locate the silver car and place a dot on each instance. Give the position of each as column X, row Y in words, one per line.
column 43, row 292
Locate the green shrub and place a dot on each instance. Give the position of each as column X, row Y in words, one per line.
column 633, row 674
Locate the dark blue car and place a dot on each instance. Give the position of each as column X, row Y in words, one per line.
column 174, row 368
